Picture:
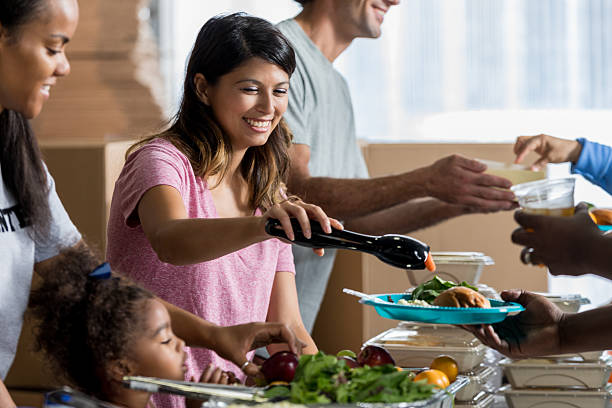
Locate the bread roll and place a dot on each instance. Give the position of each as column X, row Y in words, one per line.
column 461, row 296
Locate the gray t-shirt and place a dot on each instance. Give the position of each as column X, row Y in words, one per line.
column 320, row 115
column 18, row 254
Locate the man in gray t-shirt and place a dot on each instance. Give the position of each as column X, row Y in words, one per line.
column 327, row 168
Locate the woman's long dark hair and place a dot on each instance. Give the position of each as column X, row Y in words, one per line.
column 23, row 172
column 223, row 44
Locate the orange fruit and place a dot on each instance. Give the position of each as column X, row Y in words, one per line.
column 447, row 365
column 601, row 216
column 433, row 377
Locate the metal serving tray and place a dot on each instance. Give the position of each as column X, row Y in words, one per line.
column 441, row 399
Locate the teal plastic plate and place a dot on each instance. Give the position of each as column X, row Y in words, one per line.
column 605, row 227
column 442, row 315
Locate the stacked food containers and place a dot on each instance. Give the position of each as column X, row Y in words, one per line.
column 569, row 380
column 562, row 381
column 416, row 345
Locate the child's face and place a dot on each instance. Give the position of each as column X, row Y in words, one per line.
column 249, row 101
column 158, row 352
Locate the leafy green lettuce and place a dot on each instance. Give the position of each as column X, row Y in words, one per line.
column 322, row 379
column 430, row 290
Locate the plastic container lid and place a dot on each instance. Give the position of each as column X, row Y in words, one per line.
column 556, row 373
column 566, row 302
column 557, row 398
column 480, row 400
column 477, row 258
column 478, row 381
column 418, row 345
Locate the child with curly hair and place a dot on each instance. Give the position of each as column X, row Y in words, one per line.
column 102, row 328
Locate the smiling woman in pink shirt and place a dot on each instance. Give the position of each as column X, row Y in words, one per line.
column 190, row 206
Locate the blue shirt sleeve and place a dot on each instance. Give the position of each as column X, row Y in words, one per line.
column 595, row 164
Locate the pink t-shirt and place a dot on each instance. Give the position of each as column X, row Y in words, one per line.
column 230, row 290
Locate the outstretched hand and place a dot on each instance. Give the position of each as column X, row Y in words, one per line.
column 551, row 150
column 234, row 342
column 458, row 180
column 533, row 332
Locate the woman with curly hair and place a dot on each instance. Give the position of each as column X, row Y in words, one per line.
column 102, row 328
column 190, row 206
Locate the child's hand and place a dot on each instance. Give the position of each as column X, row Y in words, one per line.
column 212, row 375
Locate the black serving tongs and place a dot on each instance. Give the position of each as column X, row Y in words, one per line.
column 396, row 250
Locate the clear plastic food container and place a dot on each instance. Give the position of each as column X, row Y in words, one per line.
column 453, row 266
column 480, row 400
column 416, row 345
column 479, row 381
column 516, row 173
column 569, row 303
column 557, row 373
column 586, row 356
column 557, row 398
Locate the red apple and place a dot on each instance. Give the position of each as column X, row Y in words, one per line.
column 280, row 366
column 374, row 356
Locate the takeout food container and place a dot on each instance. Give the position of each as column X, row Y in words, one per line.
column 586, row 356
column 417, row 346
column 569, row 303
column 454, row 266
column 557, row 398
column 557, row 373
column 479, row 380
column 547, row 197
column 480, row 400
column 516, row 173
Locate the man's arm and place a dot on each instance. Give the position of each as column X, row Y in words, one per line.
column 406, row 217
column 454, row 179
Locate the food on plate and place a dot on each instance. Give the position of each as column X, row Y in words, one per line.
column 434, row 377
column 461, row 296
column 323, row 379
column 430, row 290
column 280, row 366
column 374, row 356
column 417, row 302
column 447, row 365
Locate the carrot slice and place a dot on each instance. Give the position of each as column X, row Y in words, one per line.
column 429, row 263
